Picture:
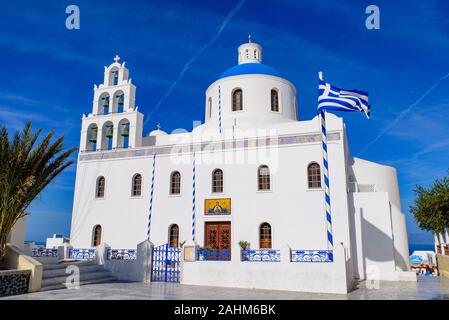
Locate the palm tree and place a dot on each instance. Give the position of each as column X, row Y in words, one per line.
column 26, row 167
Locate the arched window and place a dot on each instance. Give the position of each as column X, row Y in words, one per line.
column 99, row 192
column 265, row 236
column 263, row 178
column 314, row 175
column 237, row 100
column 175, row 183
column 173, row 237
column 209, row 108
column 96, row 237
column 137, row 186
column 217, row 180
column 274, row 100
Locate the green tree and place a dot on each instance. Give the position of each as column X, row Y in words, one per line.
column 431, row 206
column 26, row 167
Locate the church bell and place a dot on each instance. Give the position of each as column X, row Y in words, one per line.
column 93, row 135
column 109, row 131
column 121, row 99
column 125, row 129
column 105, row 102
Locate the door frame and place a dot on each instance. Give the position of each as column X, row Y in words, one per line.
column 218, row 223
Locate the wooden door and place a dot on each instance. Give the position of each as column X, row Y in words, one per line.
column 218, row 235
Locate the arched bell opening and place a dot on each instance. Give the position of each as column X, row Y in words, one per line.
column 113, row 76
column 119, row 101
column 123, row 137
column 107, row 136
column 91, row 137
column 104, row 104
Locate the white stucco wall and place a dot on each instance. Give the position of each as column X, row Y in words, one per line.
column 290, row 206
column 384, row 179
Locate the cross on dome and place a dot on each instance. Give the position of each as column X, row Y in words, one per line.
column 116, row 58
column 249, row 38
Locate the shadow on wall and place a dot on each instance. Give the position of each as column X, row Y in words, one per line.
column 379, row 246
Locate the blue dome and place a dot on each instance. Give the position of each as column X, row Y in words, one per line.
column 249, row 68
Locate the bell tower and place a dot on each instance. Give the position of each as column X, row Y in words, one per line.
column 250, row 52
column 115, row 122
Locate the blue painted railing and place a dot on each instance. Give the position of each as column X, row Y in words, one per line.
column 43, row 252
column 82, row 254
column 214, row 254
column 261, row 255
column 122, row 254
column 311, row 256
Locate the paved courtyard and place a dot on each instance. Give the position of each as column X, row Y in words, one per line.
column 427, row 288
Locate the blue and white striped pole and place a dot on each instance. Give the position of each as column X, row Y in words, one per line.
column 219, row 108
column 193, row 199
column 151, row 197
column 330, row 241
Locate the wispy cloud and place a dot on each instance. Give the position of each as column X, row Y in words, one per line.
column 403, row 114
column 186, row 67
column 20, row 100
column 15, row 119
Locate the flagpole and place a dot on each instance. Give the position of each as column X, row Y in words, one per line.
column 330, row 241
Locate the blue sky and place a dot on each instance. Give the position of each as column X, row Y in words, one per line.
column 174, row 50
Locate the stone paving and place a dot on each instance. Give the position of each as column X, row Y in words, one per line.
column 427, row 288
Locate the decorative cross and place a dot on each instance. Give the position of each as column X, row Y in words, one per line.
column 116, row 58
column 249, row 38
column 158, row 126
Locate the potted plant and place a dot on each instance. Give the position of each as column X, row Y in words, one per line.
column 244, row 245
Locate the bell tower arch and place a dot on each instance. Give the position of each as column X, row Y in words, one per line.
column 113, row 108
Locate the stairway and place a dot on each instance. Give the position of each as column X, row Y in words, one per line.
column 54, row 275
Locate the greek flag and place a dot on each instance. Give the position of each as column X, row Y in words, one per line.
column 333, row 98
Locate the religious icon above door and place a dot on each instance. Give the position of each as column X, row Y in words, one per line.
column 217, row 206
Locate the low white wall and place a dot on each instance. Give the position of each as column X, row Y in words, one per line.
column 138, row 270
column 285, row 275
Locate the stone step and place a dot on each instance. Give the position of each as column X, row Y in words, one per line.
column 58, row 286
column 63, row 265
column 58, row 272
column 84, row 276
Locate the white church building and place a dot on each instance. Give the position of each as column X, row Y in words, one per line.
column 242, row 194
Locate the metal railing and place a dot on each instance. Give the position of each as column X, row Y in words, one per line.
column 261, row 255
column 82, row 253
column 214, row 254
column 122, row 254
column 311, row 256
column 44, row 252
